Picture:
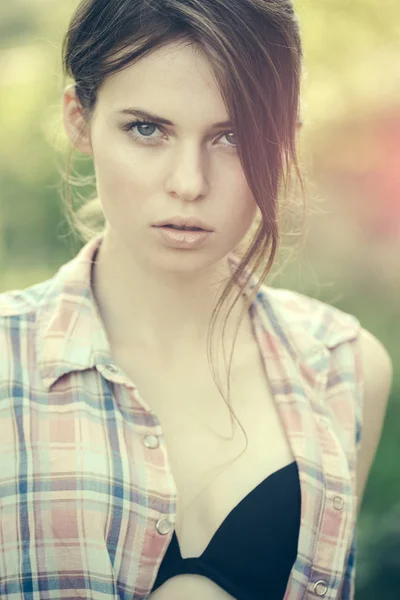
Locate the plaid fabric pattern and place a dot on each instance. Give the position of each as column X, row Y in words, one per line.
column 84, row 475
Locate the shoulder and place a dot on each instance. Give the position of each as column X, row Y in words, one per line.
column 304, row 315
column 376, row 362
column 332, row 326
column 18, row 326
column 377, row 375
column 21, row 302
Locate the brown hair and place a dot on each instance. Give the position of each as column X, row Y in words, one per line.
column 255, row 50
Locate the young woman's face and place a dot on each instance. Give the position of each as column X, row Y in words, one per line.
column 149, row 172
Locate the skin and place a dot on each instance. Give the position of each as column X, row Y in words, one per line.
column 150, row 295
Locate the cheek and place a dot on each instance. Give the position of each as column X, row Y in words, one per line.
column 121, row 170
column 242, row 207
column 246, row 213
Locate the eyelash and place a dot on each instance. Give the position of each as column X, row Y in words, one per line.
column 129, row 126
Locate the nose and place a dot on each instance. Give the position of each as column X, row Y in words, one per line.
column 188, row 174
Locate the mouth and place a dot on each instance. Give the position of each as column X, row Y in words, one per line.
column 178, row 228
column 182, row 223
column 178, row 237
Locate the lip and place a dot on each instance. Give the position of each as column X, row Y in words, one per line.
column 183, row 239
column 184, row 222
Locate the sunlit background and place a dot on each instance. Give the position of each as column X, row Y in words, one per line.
column 350, row 150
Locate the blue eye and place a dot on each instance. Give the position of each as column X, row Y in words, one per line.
column 148, row 139
column 130, row 126
column 230, row 133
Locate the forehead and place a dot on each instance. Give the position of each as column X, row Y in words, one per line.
column 173, row 80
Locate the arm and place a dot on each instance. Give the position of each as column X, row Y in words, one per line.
column 378, row 376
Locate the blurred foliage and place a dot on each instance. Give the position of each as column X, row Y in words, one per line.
column 351, row 79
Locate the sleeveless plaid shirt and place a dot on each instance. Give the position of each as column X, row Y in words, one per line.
column 85, row 477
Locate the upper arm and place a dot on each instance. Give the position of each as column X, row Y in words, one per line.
column 378, row 376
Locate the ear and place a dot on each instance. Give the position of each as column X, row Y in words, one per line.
column 75, row 124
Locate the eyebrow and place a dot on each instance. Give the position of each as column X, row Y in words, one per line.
column 144, row 114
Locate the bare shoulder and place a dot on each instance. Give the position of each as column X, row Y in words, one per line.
column 377, row 368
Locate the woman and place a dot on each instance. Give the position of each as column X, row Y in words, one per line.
column 123, row 477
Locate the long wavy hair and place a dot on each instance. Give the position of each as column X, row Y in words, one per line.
column 255, row 50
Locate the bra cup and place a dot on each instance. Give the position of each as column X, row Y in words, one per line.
column 271, row 539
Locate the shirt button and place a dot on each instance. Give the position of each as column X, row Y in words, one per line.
column 320, row 588
column 338, row 502
column 151, row 441
column 112, row 368
column 163, row 526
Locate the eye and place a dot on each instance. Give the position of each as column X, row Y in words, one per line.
column 146, row 128
column 230, row 133
column 143, row 125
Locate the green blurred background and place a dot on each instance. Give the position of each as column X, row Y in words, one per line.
column 350, row 150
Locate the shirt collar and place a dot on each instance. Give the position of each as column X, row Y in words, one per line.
column 72, row 337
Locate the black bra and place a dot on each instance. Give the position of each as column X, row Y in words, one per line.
column 252, row 552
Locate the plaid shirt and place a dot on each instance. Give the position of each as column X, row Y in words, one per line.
column 84, row 475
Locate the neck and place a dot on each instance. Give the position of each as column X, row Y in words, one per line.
column 162, row 309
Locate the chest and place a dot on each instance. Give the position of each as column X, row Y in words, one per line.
column 212, row 467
